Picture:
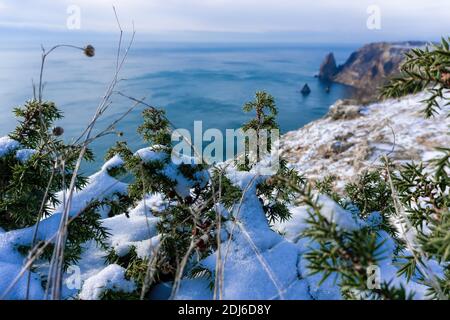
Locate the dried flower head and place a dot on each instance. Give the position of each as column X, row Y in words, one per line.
column 171, row 194
column 58, row 131
column 89, row 51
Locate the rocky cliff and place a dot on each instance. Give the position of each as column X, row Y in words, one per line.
column 370, row 66
column 352, row 137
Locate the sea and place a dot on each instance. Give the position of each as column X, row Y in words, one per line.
column 208, row 82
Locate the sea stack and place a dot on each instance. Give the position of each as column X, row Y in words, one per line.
column 306, row 90
column 328, row 69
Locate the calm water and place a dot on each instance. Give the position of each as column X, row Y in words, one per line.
column 191, row 81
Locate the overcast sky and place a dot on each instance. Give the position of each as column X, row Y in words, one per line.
column 317, row 20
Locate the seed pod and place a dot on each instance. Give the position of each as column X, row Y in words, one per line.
column 445, row 78
column 171, row 194
column 89, row 51
column 204, row 226
column 201, row 245
column 188, row 200
column 58, row 131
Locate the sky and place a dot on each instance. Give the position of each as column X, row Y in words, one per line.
column 240, row 20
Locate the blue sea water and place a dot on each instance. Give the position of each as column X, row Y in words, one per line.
column 192, row 82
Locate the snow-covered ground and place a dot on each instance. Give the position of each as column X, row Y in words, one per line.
column 356, row 141
column 258, row 261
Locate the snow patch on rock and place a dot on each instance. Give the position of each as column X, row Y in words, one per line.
column 394, row 127
column 7, row 145
column 110, row 278
column 23, row 155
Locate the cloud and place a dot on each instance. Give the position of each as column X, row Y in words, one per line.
column 346, row 18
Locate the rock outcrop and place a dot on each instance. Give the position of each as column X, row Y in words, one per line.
column 328, row 69
column 369, row 67
column 352, row 138
column 306, row 90
column 344, row 109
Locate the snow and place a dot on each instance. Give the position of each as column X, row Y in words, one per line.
column 100, row 186
column 23, row 155
column 9, row 271
column 411, row 45
column 171, row 169
column 114, row 162
column 328, row 290
column 194, row 289
column 137, row 231
column 151, row 154
column 331, row 211
column 292, row 228
column 145, row 248
column 259, row 260
column 345, row 220
column 110, row 278
column 262, row 264
column 140, row 226
column 367, row 138
column 7, row 145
